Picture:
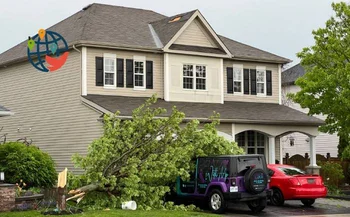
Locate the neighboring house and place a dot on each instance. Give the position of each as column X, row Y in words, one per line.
column 326, row 143
column 4, row 112
column 121, row 56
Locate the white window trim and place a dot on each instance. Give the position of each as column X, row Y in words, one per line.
column 194, row 77
column 114, row 58
column 140, row 59
column 240, row 67
column 261, row 68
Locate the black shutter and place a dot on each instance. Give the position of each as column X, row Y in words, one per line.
column 246, row 81
column 130, row 73
column 149, row 74
column 99, row 71
column 229, row 80
column 253, row 82
column 120, row 72
column 268, row 82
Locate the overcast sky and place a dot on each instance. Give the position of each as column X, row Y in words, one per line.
column 282, row 27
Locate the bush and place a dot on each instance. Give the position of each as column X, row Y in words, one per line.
column 332, row 174
column 27, row 163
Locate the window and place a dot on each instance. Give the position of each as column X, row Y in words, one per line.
column 237, row 80
column 291, row 171
column 260, row 81
column 194, row 80
column 109, row 70
column 139, row 72
column 200, row 77
column 252, row 142
column 188, row 76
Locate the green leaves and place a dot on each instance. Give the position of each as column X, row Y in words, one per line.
column 28, row 163
column 325, row 88
column 137, row 159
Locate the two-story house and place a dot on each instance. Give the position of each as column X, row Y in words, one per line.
column 297, row 143
column 121, row 56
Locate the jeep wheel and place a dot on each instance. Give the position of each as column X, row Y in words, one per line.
column 277, row 198
column 255, row 180
column 217, row 202
column 308, row 202
column 257, row 205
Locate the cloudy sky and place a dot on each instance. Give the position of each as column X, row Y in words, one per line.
column 282, row 27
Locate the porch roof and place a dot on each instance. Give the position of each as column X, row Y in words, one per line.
column 232, row 112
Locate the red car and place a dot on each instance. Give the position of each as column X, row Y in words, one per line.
column 290, row 183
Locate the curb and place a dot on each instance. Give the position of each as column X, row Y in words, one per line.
column 339, row 197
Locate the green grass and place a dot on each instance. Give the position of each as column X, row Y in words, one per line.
column 119, row 213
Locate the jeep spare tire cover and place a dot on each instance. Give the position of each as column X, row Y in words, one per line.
column 255, row 180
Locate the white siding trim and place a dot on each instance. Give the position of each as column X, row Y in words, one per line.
column 166, row 77
column 5, row 113
column 233, row 129
column 222, row 77
column 84, row 71
column 280, row 83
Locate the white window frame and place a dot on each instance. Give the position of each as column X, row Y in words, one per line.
column 194, row 77
column 113, row 57
column 140, row 59
column 238, row 67
column 261, row 69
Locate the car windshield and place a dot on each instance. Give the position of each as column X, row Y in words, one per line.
column 291, row 171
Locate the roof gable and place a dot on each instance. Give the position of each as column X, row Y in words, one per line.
column 196, row 35
column 166, row 30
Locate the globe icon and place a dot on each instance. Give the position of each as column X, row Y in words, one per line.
column 48, row 44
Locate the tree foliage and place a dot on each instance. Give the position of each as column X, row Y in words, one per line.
column 138, row 158
column 325, row 88
column 27, row 163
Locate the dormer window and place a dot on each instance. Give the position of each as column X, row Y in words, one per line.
column 175, row 19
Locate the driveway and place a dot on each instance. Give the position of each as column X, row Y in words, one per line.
column 324, row 207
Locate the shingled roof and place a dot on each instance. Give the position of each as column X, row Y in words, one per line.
column 101, row 24
column 290, row 75
column 234, row 112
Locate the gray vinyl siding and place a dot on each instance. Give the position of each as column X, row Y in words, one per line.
column 48, row 109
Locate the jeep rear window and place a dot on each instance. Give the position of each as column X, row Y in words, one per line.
column 291, row 171
column 244, row 164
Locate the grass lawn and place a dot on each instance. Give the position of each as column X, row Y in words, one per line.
column 119, row 213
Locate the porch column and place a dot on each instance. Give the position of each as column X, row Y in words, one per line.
column 272, row 157
column 233, row 132
column 313, row 168
column 312, row 151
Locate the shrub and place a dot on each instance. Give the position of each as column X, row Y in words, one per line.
column 332, row 174
column 21, row 162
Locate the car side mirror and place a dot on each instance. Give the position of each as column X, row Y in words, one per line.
column 271, row 172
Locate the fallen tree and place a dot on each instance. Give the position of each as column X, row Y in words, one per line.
column 136, row 159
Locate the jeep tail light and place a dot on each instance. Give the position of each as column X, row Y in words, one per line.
column 294, row 181
column 233, row 182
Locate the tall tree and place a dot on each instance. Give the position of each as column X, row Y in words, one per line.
column 325, row 88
